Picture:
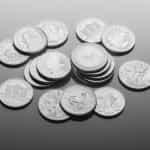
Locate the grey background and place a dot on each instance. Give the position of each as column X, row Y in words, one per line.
column 26, row 129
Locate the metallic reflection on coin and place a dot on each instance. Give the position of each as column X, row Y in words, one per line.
column 56, row 32
column 49, row 106
column 110, row 102
column 135, row 74
column 16, row 93
column 78, row 100
column 118, row 39
column 90, row 30
column 30, row 40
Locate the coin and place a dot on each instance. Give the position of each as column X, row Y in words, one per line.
column 90, row 30
column 118, row 39
column 56, row 32
column 30, row 40
column 9, row 55
column 110, row 102
column 135, row 74
column 49, row 105
column 16, row 93
column 54, row 65
column 89, row 57
column 78, row 100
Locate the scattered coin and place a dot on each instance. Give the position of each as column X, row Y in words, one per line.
column 110, row 102
column 135, row 74
column 49, row 106
column 78, row 100
column 90, row 30
column 9, row 55
column 56, row 32
column 16, row 93
column 30, row 40
column 118, row 39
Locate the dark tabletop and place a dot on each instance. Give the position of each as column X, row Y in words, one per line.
column 25, row 129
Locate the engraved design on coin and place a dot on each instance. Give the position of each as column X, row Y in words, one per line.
column 110, row 102
column 30, row 40
column 78, row 100
column 16, row 93
column 56, row 32
column 135, row 74
column 118, row 39
column 49, row 105
column 90, row 30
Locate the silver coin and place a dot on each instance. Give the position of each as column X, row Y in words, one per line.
column 135, row 74
column 110, row 102
column 54, row 65
column 56, row 32
column 30, row 40
column 90, row 30
column 49, row 105
column 16, row 93
column 89, row 57
column 9, row 55
column 118, row 39
column 78, row 100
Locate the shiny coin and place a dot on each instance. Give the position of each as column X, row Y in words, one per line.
column 90, row 30
column 15, row 93
column 56, row 32
column 9, row 56
column 30, row 40
column 110, row 102
column 54, row 65
column 135, row 74
column 89, row 57
column 78, row 100
column 49, row 106
column 118, row 39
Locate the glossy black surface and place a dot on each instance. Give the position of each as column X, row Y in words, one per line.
column 25, row 129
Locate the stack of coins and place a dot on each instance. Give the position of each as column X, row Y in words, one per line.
column 92, row 65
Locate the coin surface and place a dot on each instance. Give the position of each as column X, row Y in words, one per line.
column 118, row 39
column 78, row 100
column 56, row 32
column 89, row 57
column 49, row 105
column 90, row 30
column 135, row 74
column 30, row 40
column 110, row 102
column 9, row 55
column 16, row 93
column 54, row 65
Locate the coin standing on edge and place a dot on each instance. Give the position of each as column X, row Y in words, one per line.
column 16, row 93
column 110, row 102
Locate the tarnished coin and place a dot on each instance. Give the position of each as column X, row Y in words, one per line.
column 118, row 39
column 56, row 32
column 54, row 65
column 30, row 40
column 16, row 93
column 135, row 74
column 89, row 57
column 9, row 55
column 90, row 30
column 110, row 102
column 78, row 100
column 49, row 106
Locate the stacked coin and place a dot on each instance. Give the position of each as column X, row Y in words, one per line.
column 92, row 65
column 48, row 69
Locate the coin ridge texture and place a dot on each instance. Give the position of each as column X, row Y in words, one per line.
column 49, row 105
column 110, row 102
column 15, row 93
column 78, row 100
